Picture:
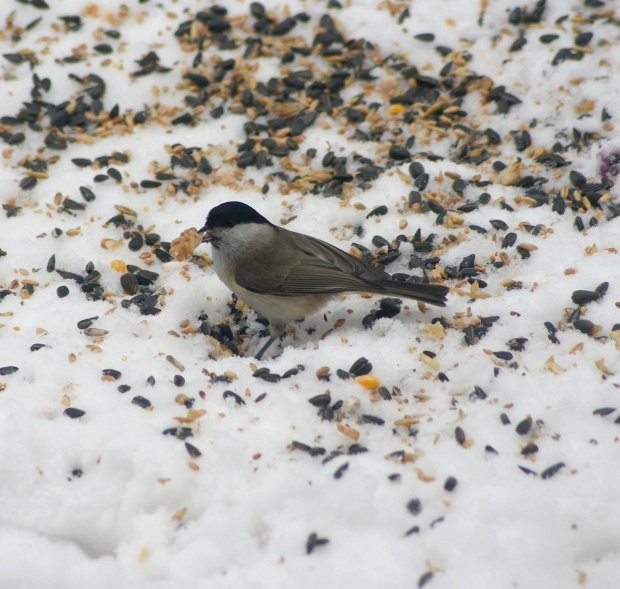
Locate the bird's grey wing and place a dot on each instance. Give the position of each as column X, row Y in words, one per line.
column 315, row 267
column 340, row 259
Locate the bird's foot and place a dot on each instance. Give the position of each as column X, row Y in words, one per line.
column 270, row 341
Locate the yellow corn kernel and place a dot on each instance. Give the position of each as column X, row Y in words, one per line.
column 119, row 266
column 368, row 381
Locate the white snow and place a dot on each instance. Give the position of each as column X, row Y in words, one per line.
column 106, row 500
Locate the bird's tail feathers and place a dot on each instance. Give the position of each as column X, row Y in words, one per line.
column 434, row 294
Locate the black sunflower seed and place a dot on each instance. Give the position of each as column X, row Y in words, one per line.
column 82, row 162
column 103, row 48
column 582, row 39
column 477, row 394
column 266, row 375
column 87, row 194
column 341, row 470
column 601, row 289
column 551, row 160
column 373, row 419
column 360, row 367
column 459, row 435
column 181, row 433
column 577, row 179
column 115, row 174
column 603, row 411
column 414, row 506
column 235, row 396
column 583, row 325
column 326, row 413
column 151, row 238
column 301, row 446
column 115, row 374
column 84, row 323
column 92, row 277
column 517, row 344
column 192, row 450
column 5, row 370
column 509, row 240
column 524, row 426
column 583, row 297
column 70, row 275
column 246, row 159
column 16, row 139
column 321, row 400
column 579, row 223
column 136, row 242
column 27, row 182
column 421, row 182
column 179, row 381
column 184, row 119
column 313, row 541
column 552, row 470
column 141, row 401
column 548, row 38
column 378, row 212
column 73, row 412
column 150, row 183
column 529, row 448
column 450, row 484
column 129, row 283
column 123, row 388
column 416, row 169
column 144, row 277
column 398, row 152
column 522, row 140
column 425, row 578
column 385, row 393
column 356, row 449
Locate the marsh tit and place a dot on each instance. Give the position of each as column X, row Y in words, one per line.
column 284, row 275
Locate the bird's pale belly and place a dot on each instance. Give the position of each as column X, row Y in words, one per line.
column 278, row 309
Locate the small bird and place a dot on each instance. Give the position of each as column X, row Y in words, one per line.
column 284, row 275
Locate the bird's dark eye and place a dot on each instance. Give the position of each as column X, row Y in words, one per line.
column 230, row 223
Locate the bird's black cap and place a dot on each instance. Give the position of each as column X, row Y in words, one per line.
column 232, row 213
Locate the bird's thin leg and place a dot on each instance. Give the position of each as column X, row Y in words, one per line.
column 265, row 347
column 276, row 330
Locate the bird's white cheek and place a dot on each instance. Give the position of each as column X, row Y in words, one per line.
column 223, row 268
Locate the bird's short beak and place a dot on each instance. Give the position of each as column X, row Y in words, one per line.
column 208, row 235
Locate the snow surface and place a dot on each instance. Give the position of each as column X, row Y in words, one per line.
column 138, row 514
